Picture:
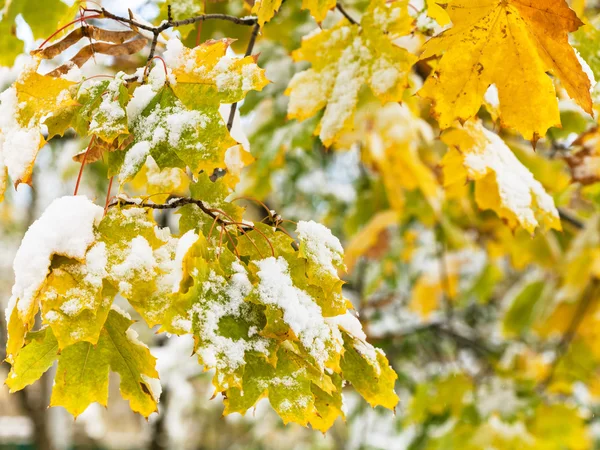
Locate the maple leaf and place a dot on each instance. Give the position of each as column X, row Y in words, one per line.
column 72, row 238
column 511, row 44
column 181, row 125
column 83, row 369
column 369, row 236
column 361, row 365
column 346, row 57
column 75, row 299
column 207, row 76
column 391, row 136
column 318, row 8
column 265, row 10
column 502, row 182
column 139, row 256
column 25, row 106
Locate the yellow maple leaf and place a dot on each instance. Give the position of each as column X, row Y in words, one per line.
column 502, row 183
column 265, row 10
column 368, row 236
column 390, row 137
column 511, row 44
column 346, row 57
column 318, row 8
column 32, row 99
column 437, row 13
column 207, row 75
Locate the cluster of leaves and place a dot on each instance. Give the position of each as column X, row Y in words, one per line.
column 268, row 317
column 267, row 312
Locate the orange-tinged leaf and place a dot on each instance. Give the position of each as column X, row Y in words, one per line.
column 512, row 44
column 368, row 236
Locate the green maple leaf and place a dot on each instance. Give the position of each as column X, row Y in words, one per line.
column 82, row 374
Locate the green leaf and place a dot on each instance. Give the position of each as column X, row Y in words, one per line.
column 38, row 355
column 369, row 372
column 522, row 312
column 82, row 374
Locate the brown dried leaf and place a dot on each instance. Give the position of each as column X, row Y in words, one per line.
column 585, row 161
column 127, row 48
column 88, row 31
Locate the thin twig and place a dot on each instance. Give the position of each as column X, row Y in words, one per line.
column 341, row 9
column 249, row 49
column 445, row 280
column 566, row 217
column 153, row 45
column 174, row 203
column 249, row 20
column 438, row 327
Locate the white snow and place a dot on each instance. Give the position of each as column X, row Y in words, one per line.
column 183, row 245
column 350, row 323
column 139, row 262
column 322, row 247
column 107, row 119
column 217, row 350
column 18, row 145
column 134, row 158
column 519, row 191
column 65, row 228
column 300, row 312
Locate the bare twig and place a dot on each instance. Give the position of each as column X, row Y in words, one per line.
column 249, row 20
column 174, row 203
column 153, row 45
column 440, row 328
column 249, row 49
column 566, row 217
column 341, row 9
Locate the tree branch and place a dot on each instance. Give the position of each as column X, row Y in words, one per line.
column 249, row 49
column 441, row 328
column 566, row 217
column 175, row 203
column 249, row 20
column 341, row 9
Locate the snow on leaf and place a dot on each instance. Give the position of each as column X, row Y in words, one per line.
column 369, row 372
column 511, row 44
column 299, row 311
column 502, row 182
column 343, row 59
column 207, row 76
column 109, row 121
column 75, row 300
column 141, row 260
column 24, row 106
column 66, row 228
column 324, row 254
